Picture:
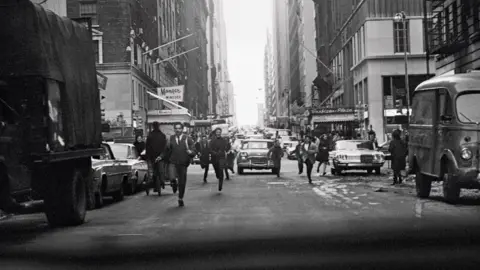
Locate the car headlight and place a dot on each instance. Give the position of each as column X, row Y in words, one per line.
column 379, row 157
column 466, row 154
column 243, row 154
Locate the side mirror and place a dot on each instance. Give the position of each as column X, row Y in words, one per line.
column 446, row 118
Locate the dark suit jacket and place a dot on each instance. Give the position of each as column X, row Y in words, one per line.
column 178, row 151
column 219, row 148
column 203, row 149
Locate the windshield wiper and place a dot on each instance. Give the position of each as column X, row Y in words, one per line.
column 468, row 119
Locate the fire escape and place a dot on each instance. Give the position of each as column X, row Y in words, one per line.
column 454, row 25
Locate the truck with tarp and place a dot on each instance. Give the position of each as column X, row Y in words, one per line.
column 50, row 120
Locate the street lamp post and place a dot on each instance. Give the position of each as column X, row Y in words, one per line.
column 402, row 17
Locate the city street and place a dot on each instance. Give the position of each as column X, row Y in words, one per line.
column 250, row 206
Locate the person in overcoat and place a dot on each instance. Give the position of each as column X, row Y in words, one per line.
column 308, row 152
column 203, row 150
column 322, row 154
column 275, row 153
column 398, row 151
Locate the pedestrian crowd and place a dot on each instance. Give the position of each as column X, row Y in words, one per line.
column 169, row 158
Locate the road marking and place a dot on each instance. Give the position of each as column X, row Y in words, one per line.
column 130, row 234
column 373, row 203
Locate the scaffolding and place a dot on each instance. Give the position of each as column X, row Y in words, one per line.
column 452, row 26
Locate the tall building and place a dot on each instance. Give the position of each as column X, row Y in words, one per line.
column 222, row 98
column 454, row 34
column 280, row 44
column 125, row 32
column 302, row 59
column 271, row 97
column 196, row 95
column 363, row 46
column 260, row 115
column 57, row 6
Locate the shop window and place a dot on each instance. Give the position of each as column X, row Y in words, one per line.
column 422, row 108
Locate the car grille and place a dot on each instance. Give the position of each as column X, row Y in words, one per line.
column 258, row 160
column 366, row 158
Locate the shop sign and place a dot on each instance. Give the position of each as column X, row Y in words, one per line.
column 168, row 112
column 324, row 111
column 173, row 93
column 101, row 81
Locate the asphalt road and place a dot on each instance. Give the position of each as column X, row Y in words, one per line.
column 254, row 205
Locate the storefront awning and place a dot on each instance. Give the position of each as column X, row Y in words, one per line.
column 333, row 118
column 169, row 104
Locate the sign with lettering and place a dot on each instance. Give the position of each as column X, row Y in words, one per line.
column 101, row 81
column 173, row 93
column 322, row 111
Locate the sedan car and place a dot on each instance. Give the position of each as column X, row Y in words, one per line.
column 356, row 155
column 127, row 153
column 384, row 149
column 110, row 176
column 253, row 155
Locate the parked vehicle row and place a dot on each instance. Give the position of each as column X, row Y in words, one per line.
column 118, row 171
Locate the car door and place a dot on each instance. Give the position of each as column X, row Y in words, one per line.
column 122, row 168
column 108, row 167
column 444, row 116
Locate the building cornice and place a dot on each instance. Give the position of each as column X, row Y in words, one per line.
column 399, row 56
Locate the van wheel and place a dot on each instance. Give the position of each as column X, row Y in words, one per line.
column 66, row 200
column 423, row 185
column 451, row 191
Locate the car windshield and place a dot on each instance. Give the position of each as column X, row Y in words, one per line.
column 122, row 151
column 467, row 111
column 354, row 145
column 257, row 145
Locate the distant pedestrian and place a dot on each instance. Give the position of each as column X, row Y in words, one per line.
column 322, row 154
column 139, row 144
column 308, row 152
column 398, row 151
column 182, row 151
column 218, row 149
column 275, row 153
column 203, row 150
column 298, row 155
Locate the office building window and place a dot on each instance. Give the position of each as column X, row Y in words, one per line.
column 399, row 37
column 96, row 50
column 89, row 10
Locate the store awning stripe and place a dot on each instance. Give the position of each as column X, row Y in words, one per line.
column 176, row 106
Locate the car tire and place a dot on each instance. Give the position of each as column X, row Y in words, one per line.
column 119, row 195
column 377, row 171
column 240, row 170
column 423, row 185
column 451, row 190
column 98, row 199
column 333, row 171
column 369, row 171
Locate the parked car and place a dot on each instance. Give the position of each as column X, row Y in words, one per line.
column 126, row 152
column 110, row 176
column 291, row 152
column 253, row 155
column 356, row 155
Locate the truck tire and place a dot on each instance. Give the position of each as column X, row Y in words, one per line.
column 66, row 202
column 423, row 185
column 451, row 190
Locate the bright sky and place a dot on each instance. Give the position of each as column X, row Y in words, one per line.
column 247, row 22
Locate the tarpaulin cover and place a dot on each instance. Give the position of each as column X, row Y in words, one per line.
column 37, row 42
